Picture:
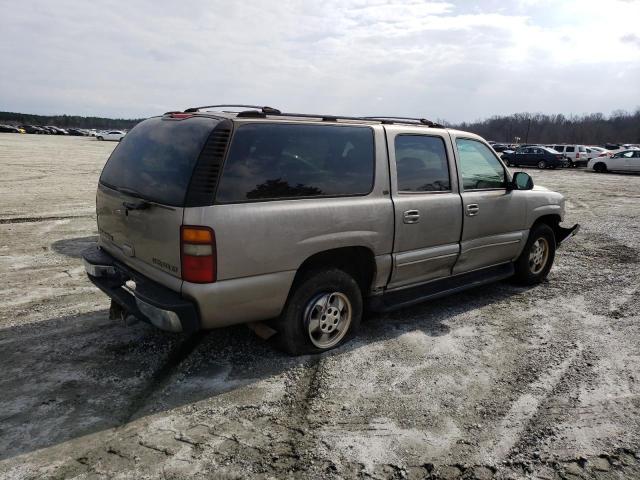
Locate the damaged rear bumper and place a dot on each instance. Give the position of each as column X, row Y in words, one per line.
column 138, row 295
column 564, row 234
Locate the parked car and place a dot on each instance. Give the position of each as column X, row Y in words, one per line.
column 260, row 215
column 32, row 129
column 541, row 157
column 593, row 151
column 575, row 154
column 500, row 147
column 115, row 135
column 624, row 161
column 10, row 129
column 76, row 132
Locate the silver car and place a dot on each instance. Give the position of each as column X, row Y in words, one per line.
column 298, row 222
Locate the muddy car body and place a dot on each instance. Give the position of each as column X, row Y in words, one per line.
column 209, row 219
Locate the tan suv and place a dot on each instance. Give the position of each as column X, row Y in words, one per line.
column 208, row 218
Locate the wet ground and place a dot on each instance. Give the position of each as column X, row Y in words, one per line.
column 497, row 382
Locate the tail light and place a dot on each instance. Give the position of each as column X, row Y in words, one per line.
column 198, row 254
column 577, row 155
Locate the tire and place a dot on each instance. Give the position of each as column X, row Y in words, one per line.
column 533, row 265
column 100, row 138
column 600, row 167
column 542, row 164
column 329, row 298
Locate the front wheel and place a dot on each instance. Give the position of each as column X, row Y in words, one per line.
column 600, row 167
column 323, row 311
column 542, row 164
column 536, row 259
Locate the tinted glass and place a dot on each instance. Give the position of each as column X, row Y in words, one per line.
column 274, row 161
column 479, row 166
column 421, row 164
column 156, row 158
column 570, row 149
column 559, row 148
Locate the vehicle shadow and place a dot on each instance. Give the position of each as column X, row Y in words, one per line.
column 73, row 247
column 71, row 376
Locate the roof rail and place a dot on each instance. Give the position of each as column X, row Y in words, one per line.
column 421, row 121
column 263, row 109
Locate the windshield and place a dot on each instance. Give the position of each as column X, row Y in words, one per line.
column 156, row 158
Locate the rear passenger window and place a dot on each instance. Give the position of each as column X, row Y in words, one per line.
column 278, row 161
column 571, row 149
column 559, row 148
column 421, row 164
column 479, row 166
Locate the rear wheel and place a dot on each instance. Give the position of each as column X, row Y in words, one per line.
column 600, row 167
column 542, row 164
column 100, row 138
column 536, row 259
column 323, row 311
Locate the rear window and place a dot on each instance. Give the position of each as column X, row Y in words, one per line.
column 156, row 158
column 279, row 161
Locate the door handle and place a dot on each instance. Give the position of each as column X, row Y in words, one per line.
column 411, row 216
column 473, row 209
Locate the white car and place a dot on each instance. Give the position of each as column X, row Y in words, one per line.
column 624, row 161
column 593, row 152
column 115, row 135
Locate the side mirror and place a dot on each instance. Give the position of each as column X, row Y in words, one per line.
column 521, row 181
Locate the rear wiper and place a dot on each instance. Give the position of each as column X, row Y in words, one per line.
column 129, row 191
column 141, row 205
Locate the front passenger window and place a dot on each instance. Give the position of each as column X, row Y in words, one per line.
column 479, row 167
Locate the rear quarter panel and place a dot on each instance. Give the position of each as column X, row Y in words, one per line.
column 260, row 245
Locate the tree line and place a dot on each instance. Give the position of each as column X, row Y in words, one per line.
column 592, row 129
column 68, row 121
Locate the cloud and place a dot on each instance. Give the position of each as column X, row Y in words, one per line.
column 456, row 61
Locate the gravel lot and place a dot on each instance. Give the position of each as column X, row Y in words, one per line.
column 498, row 382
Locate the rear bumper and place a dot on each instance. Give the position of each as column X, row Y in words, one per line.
column 138, row 295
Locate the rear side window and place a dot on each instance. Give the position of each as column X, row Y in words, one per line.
column 479, row 167
column 156, row 158
column 421, row 164
column 571, row 149
column 559, row 148
column 278, row 161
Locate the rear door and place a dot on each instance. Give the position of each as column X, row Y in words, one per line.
column 143, row 190
column 494, row 218
column 428, row 208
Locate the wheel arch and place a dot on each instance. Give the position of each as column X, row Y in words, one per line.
column 358, row 261
column 552, row 220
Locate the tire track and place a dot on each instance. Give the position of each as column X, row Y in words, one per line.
column 5, row 221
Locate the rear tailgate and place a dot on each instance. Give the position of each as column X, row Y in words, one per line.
column 143, row 191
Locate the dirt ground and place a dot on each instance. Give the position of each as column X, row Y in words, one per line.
column 498, row 382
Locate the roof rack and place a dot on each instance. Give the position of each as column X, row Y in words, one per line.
column 263, row 111
column 421, row 121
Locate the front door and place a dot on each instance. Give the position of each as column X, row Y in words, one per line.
column 428, row 207
column 494, row 225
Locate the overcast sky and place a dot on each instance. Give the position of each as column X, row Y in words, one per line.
column 442, row 60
